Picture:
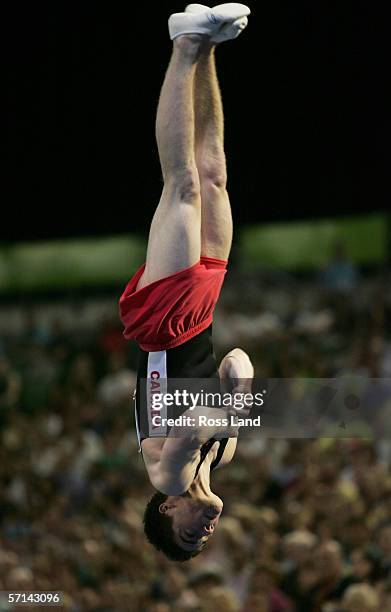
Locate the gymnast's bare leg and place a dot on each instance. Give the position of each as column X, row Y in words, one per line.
column 175, row 234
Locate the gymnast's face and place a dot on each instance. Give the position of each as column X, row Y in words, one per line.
column 193, row 521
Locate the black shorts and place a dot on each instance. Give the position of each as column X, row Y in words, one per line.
column 190, row 365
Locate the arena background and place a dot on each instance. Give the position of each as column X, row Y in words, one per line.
column 306, row 525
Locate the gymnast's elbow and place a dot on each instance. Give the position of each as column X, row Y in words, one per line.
column 168, row 485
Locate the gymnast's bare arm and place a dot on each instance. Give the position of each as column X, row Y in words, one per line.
column 171, row 462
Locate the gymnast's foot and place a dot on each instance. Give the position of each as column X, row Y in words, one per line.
column 223, row 22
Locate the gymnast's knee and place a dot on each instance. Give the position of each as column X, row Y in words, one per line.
column 184, row 184
column 213, row 174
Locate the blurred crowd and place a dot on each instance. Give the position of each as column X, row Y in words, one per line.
column 306, row 524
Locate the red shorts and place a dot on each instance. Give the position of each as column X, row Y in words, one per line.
column 170, row 311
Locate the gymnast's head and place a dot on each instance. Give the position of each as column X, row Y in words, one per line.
column 181, row 525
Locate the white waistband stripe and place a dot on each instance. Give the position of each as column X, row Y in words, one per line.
column 156, row 384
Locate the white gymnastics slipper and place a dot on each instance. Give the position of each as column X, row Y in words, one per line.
column 209, row 22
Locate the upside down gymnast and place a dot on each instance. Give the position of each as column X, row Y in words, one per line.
column 167, row 307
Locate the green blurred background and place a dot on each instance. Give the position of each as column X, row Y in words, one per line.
column 296, row 246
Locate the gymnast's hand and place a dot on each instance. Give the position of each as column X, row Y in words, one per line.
column 236, row 373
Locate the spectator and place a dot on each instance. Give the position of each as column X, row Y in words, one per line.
column 332, row 580
column 365, row 565
column 265, row 581
column 360, row 598
column 340, row 274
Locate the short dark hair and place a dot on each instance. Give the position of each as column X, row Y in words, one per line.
column 158, row 529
